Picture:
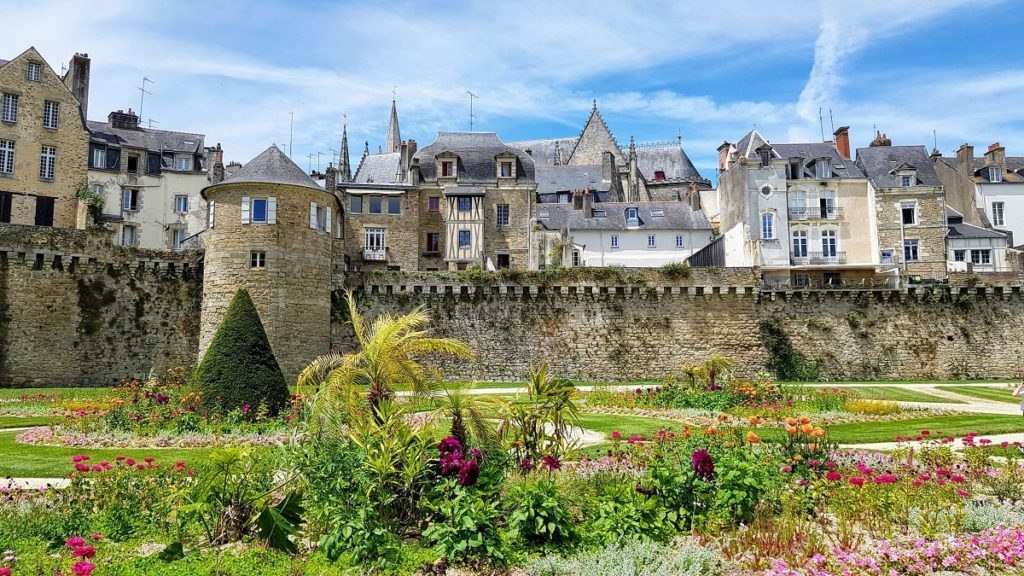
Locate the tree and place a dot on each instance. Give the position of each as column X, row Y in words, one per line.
column 388, row 352
column 239, row 367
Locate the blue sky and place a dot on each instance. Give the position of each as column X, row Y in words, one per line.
column 707, row 70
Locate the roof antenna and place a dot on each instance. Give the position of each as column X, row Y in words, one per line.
column 935, row 139
column 471, row 116
column 291, row 132
column 679, row 136
column 831, row 121
column 142, row 97
column 821, row 124
column 151, row 122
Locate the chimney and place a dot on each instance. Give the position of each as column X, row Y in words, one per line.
column 607, row 166
column 588, row 203
column 403, row 161
column 123, row 120
column 723, row 156
column 996, row 155
column 842, row 138
column 880, row 140
column 331, row 179
column 214, row 156
column 218, row 173
column 414, row 170
column 77, row 80
column 965, row 159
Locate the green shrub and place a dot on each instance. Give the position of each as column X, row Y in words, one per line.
column 634, row 558
column 624, row 512
column 540, row 516
column 239, row 367
column 467, row 529
column 675, row 270
column 985, row 516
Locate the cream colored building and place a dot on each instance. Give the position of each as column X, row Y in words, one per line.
column 43, row 140
column 151, row 180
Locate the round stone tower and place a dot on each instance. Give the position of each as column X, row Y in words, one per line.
column 271, row 229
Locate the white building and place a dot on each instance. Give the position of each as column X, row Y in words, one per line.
column 973, row 248
column 150, row 179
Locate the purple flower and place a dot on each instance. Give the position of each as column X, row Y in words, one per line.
column 469, row 472
column 246, row 409
column 450, row 446
column 451, row 463
column 703, row 464
column 526, row 464
column 550, row 462
column 476, row 453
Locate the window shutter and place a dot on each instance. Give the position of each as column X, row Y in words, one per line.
column 330, row 226
column 245, row 209
column 312, row 215
column 212, row 212
column 126, row 199
column 272, row 210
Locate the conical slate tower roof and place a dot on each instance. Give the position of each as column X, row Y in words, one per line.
column 394, row 136
column 272, row 167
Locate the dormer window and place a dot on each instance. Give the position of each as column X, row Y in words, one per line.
column 447, row 168
column 995, row 174
column 766, row 157
column 632, row 218
column 563, row 197
column 796, row 169
column 657, row 213
column 823, row 168
column 506, row 169
column 905, row 180
column 659, row 175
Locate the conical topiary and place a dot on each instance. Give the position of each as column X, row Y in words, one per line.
column 239, row 367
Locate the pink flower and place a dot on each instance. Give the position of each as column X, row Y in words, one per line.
column 130, row 461
column 79, row 458
column 786, row 469
column 5, row 571
column 148, row 459
column 635, row 439
column 550, row 462
column 75, row 542
column 616, row 435
column 957, row 479
column 857, row 481
column 96, row 536
column 885, row 479
column 962, row 493
column 833, row 476
column 83, row 568
column 82, row 467
column 84, row 552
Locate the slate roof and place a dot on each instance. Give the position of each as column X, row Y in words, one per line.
column 678, row 216
column 957, row 228
column 274, row 167
column 1014, row 167
column 551, row 179
column 543, row 151
column 879, row 163
column 669, row 158
column 146, row 138
column 378, row 169
column 476, row 152
column 747, row 146
column 841, row 167
column 2, row 62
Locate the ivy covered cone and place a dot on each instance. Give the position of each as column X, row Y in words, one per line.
column 239, row 367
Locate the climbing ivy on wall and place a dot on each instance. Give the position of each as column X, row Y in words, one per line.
column 93, row 296
column 785, row 361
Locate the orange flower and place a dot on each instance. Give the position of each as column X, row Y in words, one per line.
column 723, row 417
column 818, row 433
column 711, row 430
column 791, row 430
column 754, row 420
column 804, row 419
column 791, row 421
column 812, row 447
column 807, row 428
column 751, row 437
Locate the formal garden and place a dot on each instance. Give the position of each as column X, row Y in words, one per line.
column 372, row 463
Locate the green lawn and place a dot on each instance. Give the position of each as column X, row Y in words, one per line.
column 22, row 421
column 896, row 394
column 891, row 382
column 626, row 425
column 1004, row 394
column 64, row 393
column 869, row 432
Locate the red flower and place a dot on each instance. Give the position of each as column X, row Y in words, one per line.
column 957, row 479
column 79, row 458
column 616, row 435
column 926, row 433
column 469, row 473
column 942, row 472
column 635, row 439
column 833, row 476
column 962, row 493
column 857, row 481
column 885, row 479
column 148, row 459
column 831, row 465
column 84, row 552
column 96, row 536
column 130, row 461
column 550, row 462
column 83, row 568
column 74, row 542
column 119, row 458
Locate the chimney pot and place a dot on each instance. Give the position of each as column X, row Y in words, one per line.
column 993, row 146
column 842, row 139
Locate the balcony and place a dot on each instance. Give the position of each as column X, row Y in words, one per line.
column 808, row 213
column 819, row 259
column 375, row 254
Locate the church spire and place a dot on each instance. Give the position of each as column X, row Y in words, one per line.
column 344, row 167
column 394, row 142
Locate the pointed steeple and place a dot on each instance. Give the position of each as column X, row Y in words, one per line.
column 594, row 140
column 366, row 149
column 344, row 167
column 394, row 142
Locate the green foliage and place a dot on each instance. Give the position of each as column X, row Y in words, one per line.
column 634, row 557
column 540, row 516
column 466, row 528
column 93, row 204
column 93, row 297
column 675, row 270
column 783, row 359
column 622, row 511
column 239, row 367
column 540, row 424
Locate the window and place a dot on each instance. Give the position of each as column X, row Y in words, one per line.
column 257, row 259
column 181, row 204
column 433, row 204
column 615, row 241
column 153, row 163
column 767, row 226
column 447, row 169
column 679, row 240
column 376, row 206
column 563, row 197
column 632, row 218
column 465, row 238
column 801, row 280
column 129, row 235
column 981, row 256
column 766, row 191
column 905, row 180
column 959, row 255
column 394, row 205
column 133, row 164
column 831, row 278
column 600, row 214
column 177, row 238
column 997, row 213
column 465, row 203
column 995, row 174
column 35, row 72
column 6, row 199
column 766, row 157
column 375, row 239
column 542, row 214
column 356, row 204
column 320, row 217
column 50, row 114
column 9, row 113
column 886, row 256
column 99, row 157
column 506, row 169
column 433, row 242
column 910, row 252
column 504, row 261
column 47, row 162
column 829, row 244
column 211, row 213
column 503, row 215
column 909, row 213
column 129, row 199
column 577, row 201
column 6, row 157
column 823, row 168
column 659, row 175
column 259, row 210
column 182, row 163
column 800, row 243
column 652, row 241
column 575, row 257
column 44, row 210
column 657, row 213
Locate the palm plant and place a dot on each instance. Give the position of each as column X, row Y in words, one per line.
column 468, row 413
column 389, row 348
column 541, row 424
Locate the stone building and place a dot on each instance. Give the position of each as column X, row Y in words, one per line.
column 43, row 140
column 804, row 213
column 275, row 232
column 151, row 180
column 987, row 191
column 910, row 206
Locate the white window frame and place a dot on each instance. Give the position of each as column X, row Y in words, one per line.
column 34, row 73
column 575, row 258
column 503, row 215
column 101, row 155
column 800, row 243
column 211, row 213
column 614, row 241
column 9, row 106
column 375, row 239
column 48, row 162
column 248, row 210
column 599, row 214
column 680, row 241
column 130, row 199
column 823, row 169
column 181, row 204
column 501, row 169
column 320, row 217
column 999, row 214
column 177, row 238
column 51, row 114
column 652, row 240
column 913, row 207
column 885, row 257
column 981, row 257
column 906, row 180
column 183, row 163
column 768, row 226
column 129, row 235
column 959, row 255
column 7, row 156
column 911, row 247
column 257, row 259
column 995, row 174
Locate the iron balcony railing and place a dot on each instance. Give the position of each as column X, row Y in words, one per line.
column 375, row 254
column 797, row 283
column 814, row 258
column 815, row 213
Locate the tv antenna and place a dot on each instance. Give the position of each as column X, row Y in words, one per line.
column 151, row 122
column 821, row 124
column 291, row 132
column 831, row 121
column 310, row 156
column 935, row 140
column 142, row 96
column 471, row 116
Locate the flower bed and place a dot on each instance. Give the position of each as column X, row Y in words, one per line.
column 48, row 436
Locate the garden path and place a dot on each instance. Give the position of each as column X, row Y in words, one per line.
column 957, row 444
column 967, row 403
